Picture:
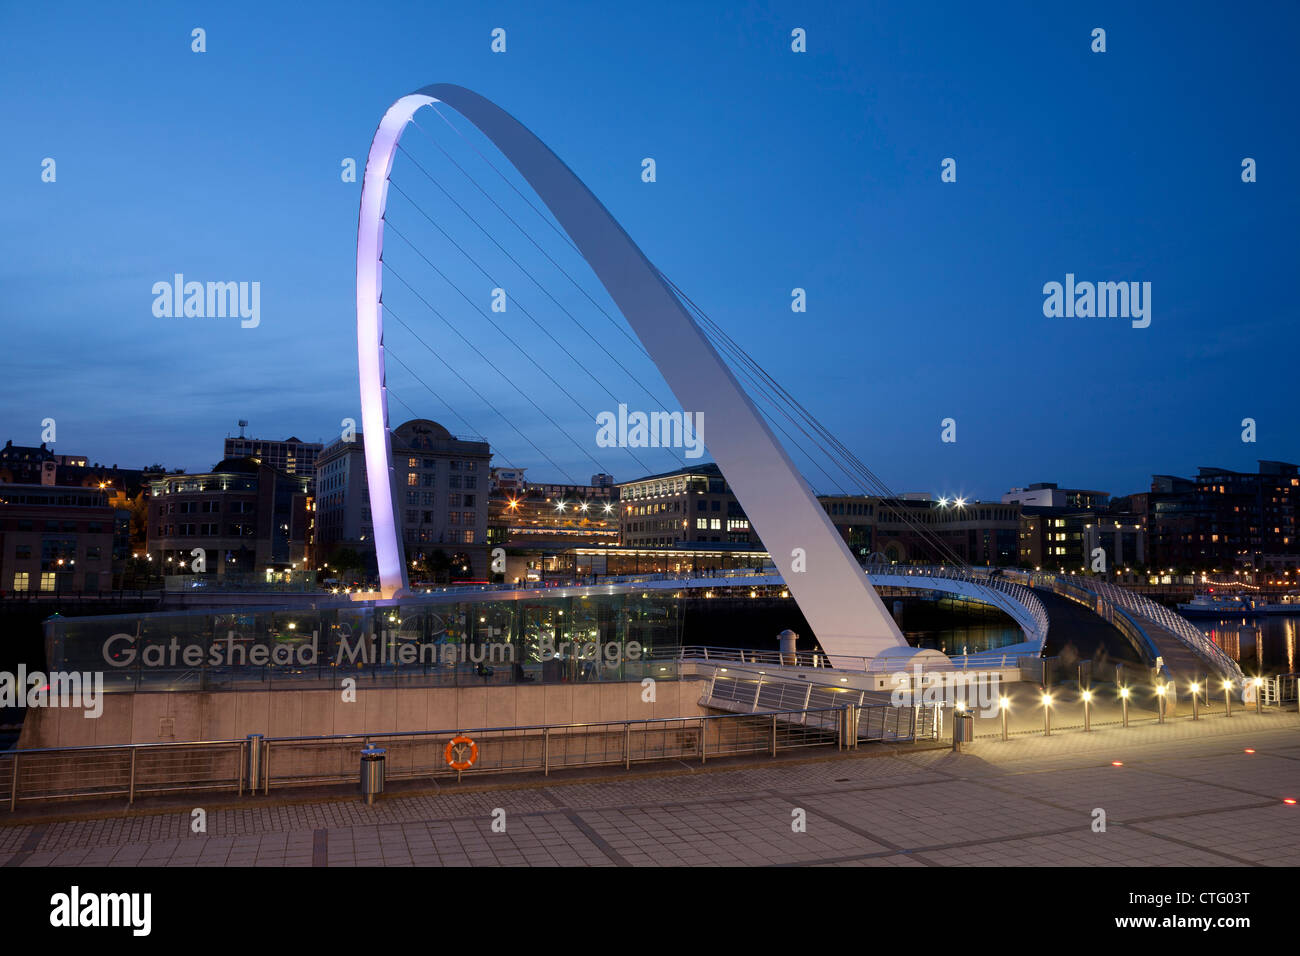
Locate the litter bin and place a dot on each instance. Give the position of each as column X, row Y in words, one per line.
column 963, row 730
column 372, row 773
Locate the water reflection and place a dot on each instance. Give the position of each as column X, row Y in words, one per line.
column 1267, row 643
column 966, row 640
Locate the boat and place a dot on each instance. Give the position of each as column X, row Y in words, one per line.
column 1236, row 605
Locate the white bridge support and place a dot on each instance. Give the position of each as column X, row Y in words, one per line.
column 830, row 588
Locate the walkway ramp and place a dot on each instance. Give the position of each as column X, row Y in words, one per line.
column 804, row 704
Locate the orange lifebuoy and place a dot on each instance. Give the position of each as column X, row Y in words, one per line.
column 458, row 744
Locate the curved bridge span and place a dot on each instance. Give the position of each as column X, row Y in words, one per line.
column 1157, row 633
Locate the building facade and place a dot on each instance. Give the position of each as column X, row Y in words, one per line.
column 56, row 540
column 244, row 516
column 293, row 456
column 442, row 486
column 1224, row 519
column 919, row 529
column 541, row 515
column 693, row 504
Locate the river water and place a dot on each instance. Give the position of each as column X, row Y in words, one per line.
column 1266, row 643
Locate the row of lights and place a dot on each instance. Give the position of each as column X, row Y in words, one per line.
column 1045, row 698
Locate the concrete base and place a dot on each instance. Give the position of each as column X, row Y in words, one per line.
column 142, row 717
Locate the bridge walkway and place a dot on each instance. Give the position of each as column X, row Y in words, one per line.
column 819, row 707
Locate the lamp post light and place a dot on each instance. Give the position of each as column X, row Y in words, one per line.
column 1160, row 708
column 1227, row 698
column 1004, row 704
column 1087, row 716
column 1047, row 714
column 1123, row 696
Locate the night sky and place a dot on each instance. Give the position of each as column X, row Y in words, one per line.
column 775, row 170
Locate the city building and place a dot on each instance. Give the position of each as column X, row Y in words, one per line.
column 554, row 515
column 920, row 529
column 27, row 464
column 342, row 497
column 56, row 540
column 692, row 504
column 293, row 456
column 1224, row 519
column 502, row 480
column 442, row 487
column 1045, row 494
column 245, row 516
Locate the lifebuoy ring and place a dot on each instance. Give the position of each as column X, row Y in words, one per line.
column 455, row 753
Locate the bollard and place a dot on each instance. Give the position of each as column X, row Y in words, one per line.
column 1196, row 713
column 372, row 773
column 1227, row 698
column 1259, row 695
column 254, row 768
column 1160, row 702
column 1087, row 716
column 1123, row 696
column 1004, row 704
column 1047, row 714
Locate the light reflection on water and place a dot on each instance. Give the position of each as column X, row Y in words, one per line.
column 966, row 640
column 1267, row 642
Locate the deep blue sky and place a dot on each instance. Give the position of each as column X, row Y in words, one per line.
column 775, row 170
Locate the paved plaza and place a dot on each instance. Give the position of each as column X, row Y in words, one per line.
column 1187, row 793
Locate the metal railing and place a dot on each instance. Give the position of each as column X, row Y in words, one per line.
column 819, row 660
column 258, row 765
column 992, row 585
column 128, row 770
column 1138, row 610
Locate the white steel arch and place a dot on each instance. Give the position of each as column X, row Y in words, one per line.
column 831, row 589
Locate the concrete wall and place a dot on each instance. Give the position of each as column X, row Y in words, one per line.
column 182, row 715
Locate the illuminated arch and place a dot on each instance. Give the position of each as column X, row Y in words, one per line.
column 835, row 596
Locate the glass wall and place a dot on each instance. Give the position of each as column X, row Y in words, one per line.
column 552, row 639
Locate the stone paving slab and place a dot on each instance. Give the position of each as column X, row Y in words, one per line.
column 1187, row 794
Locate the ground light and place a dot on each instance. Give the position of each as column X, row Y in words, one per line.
column 1196, row 713
column 1117, row 763
column 1123, row 696
column 1259, row 695
column 1160, row 691
column 1087, row 711
column 1227, row 697
column 1004, row 704
column 1047, row 714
